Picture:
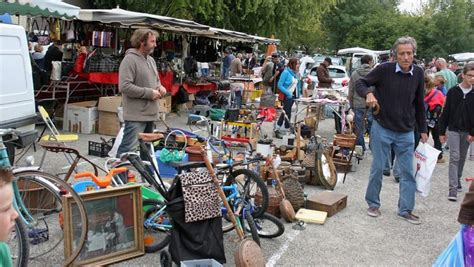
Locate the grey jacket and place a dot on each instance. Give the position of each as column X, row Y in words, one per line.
column 138, row 77
column 355, row 99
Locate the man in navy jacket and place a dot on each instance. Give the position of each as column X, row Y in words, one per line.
column 399, row 92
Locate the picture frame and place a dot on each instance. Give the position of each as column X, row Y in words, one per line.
column 115, row 231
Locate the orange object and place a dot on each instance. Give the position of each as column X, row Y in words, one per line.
column 271, row 48
column 101, row 181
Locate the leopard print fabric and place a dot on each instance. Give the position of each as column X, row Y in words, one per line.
column 201, row 200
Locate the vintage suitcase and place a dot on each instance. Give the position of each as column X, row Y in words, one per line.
column 327, row 201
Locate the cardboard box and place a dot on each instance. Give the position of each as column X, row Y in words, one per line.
column 81, row 117
column 108, row 118
column 164, row 104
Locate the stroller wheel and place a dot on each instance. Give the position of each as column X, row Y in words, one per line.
column 165, row 259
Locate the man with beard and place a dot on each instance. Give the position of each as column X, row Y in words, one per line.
column 140, row 87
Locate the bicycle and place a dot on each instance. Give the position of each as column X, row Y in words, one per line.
column 157, row 223
column 38, row 200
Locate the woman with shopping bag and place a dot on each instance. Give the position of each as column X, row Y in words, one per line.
column 458, row 119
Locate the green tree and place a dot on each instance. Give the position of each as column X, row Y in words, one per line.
column 345, row 20
column 452, row 27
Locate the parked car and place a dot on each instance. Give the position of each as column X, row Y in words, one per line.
column 337, row 73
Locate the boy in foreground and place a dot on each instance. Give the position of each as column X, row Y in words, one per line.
column 7, row 215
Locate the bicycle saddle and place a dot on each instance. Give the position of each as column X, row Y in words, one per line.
column 150, row 137
column 181, row 166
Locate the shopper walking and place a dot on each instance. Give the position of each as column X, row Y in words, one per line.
column 449, row 76
column 458, row 119
column 270, row 72
column 399, row 91
column 434, row 102
column 140, row 87
column 226, row 61
column 290, row 88
column 358, row 104
column 236, row 65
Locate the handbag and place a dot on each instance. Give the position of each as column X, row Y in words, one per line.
column 201, row 200
column 43, row 36
column 31, row 35
column 98, row 62
column 172, row 154
column 55, row 30
column 69, row 34
column 101, row 38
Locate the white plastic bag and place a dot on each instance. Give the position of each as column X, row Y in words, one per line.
column 118, row 141
column 424, row 161
column 56, row 71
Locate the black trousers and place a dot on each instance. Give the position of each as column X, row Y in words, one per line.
column 287, row 104
column 437, row 144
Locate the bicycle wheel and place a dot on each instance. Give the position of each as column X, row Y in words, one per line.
column 269, row 226
column 18, row 243
column 227, row 225
column 157, row 226
column 42, row 207
column 248, row 179
column 326, row 170
column 250, row 227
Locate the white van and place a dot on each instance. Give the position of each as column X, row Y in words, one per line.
column 17, row 100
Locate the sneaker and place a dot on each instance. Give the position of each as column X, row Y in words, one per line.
column 373, row 212
column 471, row 157
column 459, row 188
column 453, row 197
column 397, row 179
column 441, row 160
column 411, row 218
column 386, row 172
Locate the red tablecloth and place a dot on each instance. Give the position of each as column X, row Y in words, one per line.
column 104, row 77
column 193, row 88
column 100, row 77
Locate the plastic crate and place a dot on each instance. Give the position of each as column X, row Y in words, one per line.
column 100, row 149
column 201, row 263
column 166, row 170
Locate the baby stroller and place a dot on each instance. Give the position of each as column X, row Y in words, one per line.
column 201, row 239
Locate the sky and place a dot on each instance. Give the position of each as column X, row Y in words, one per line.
column 411, row 6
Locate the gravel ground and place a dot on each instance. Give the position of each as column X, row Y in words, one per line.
column 348, row 238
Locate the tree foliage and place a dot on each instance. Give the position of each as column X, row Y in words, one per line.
column 442, row 28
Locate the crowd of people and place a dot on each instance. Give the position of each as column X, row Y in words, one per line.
column 413, row 101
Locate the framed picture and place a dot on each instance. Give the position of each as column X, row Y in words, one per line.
column 115, row 230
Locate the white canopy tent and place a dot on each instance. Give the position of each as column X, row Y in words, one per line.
column 44, row 8
column 469, row 56
column 137, row 19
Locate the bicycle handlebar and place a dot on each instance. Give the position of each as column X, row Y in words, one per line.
column 9, row 131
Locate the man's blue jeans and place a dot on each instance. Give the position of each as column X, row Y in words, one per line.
column 402, row 142
column 130, row 135
column 359, row 121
